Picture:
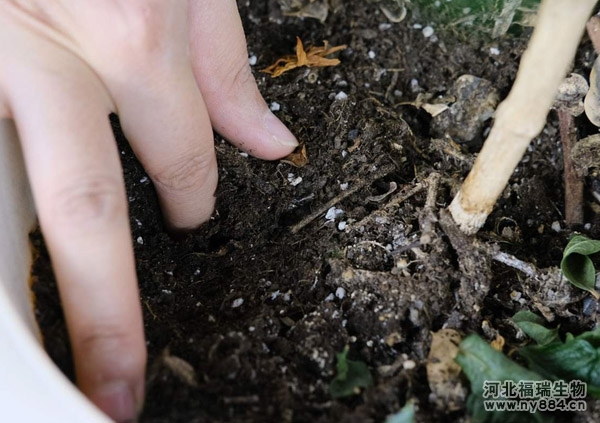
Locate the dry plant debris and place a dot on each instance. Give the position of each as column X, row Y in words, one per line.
column 314, row 57
column 183, row 370
column 443, row 373
column 569, row 104
column 317, row 9
column 297, row 158
column 395, row 10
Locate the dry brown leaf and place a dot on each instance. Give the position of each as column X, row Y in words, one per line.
column 298, row 158
column 183, row 370
column 443, row 373
column 498, row 343
column 312, row 58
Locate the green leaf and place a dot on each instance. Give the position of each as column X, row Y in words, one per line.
column 406, row 415
column 578, row 358
column 481, row 363
column 533, row 326
column 576, row 264
column 351, row 375
column 593, row 337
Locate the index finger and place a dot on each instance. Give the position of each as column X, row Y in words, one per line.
column 76, row 179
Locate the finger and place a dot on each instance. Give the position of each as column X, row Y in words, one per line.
column 169, row 129
column 77, row 182
column 163, row 115
column 220, row 60
column 4, row 109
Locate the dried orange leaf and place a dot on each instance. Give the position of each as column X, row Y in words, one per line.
column 298, row 158
column 313, row 57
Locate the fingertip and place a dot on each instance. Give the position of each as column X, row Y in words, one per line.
column 263, row 136
column 283, row 141
column 114, row 383
column 119, row 400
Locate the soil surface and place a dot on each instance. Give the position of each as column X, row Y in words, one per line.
column 259, row 300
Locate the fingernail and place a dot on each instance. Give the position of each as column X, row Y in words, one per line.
column 279, row 131
column 117, row 401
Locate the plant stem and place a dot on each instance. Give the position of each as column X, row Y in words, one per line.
column 573, row 182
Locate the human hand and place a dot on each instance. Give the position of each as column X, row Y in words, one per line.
column 171, row 70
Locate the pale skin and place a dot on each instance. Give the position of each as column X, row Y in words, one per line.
column 172, row 71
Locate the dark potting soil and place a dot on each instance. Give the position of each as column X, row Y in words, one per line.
column 258, row 301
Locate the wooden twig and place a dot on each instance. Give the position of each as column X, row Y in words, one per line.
column 573, row 182
column 428, row 217
column 511, row 261
column 384, row 171
column 399, row 198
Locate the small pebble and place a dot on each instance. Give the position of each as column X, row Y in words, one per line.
column 414, row 84
column 293, row 180
column 369, row 343
column 417, row 26
column 409, row 365
column 515, row 295
column 341, row 96
column 384, row 26
column 144, row 180
column 353, row 134
column 333, row 213
column 140, row 240
column 342, row 225
column 275, row 106
column 587, row 226
column 589, row 306
column 237, row 302
column 252, row 60
column 371, row 54
column 329, row 298
column 340, row 293
column 494, row 51
column 556, row 226
column 428, row 31
column 244, row 154
column 345, row 185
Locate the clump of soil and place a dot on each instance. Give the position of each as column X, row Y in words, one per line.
column 259, row 300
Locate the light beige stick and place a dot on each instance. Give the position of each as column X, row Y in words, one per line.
column 522, row 115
